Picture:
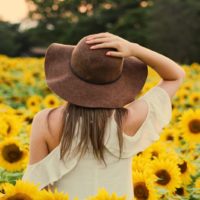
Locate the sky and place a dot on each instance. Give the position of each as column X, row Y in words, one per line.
column 13, row 10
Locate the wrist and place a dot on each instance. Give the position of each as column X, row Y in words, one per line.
column 135, row 49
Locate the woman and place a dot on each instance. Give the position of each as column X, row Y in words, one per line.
column 99, row 78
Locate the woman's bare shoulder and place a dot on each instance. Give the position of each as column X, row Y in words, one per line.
column 51, row 125
column 137, row 113
column 42, row 115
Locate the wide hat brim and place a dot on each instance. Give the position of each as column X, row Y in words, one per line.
column 63, row 82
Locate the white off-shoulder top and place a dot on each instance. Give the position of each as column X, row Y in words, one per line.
column 83, row 178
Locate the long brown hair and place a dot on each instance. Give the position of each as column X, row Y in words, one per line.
column 94, row 121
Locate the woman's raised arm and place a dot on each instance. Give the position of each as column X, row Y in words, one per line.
column 172, row 74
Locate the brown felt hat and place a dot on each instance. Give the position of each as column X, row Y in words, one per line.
column 90, row 78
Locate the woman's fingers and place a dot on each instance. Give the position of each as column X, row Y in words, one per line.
column 99, row 40
column 109, row 40
column 114, row 53
column 98, row 35
column 103, row 45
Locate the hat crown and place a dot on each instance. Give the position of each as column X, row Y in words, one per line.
column 92, row 65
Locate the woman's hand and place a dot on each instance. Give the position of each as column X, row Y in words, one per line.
column 107, row 40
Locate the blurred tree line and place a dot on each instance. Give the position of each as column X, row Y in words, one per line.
column 168, row 27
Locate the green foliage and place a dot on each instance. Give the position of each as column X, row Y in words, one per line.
column 13, row 42
column 173, row 27
column 169, row 27
column 9, row 177
column 8, row 38
column 67, row 22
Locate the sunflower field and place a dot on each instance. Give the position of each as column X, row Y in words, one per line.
column 168, row 169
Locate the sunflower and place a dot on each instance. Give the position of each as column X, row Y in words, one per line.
column 155, row 150
column 2, row 185
column 13, row 155
column 183, row 95
column 167, row 173
column 28, row 78
column 51, row 101
column 140, row 163
column 143, row 186
column 194, row 98
column 159, row 150
column 190, row 124
column 187, row 169
column 187, row 85
column 181, row 192
column 170, row 136
column 34, row 110
column 28, row 117
column 55, row 195
column 33, row 103
column 10, row 125
column 20, row 113
column 21, row 190
column 103, row 194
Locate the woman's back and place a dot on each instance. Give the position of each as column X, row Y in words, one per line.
column 88, row 174
column 130, row 124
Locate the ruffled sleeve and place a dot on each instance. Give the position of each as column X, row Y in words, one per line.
column 159, row 115
column 51, row 168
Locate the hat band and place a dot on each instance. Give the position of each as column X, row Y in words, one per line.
column 98, row 83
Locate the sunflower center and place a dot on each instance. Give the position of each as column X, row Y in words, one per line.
column 36, row 74
column 19, row 196
column 163, row 176
column 180, row 137
column 139, row 153
column 180, row 191
column 32, row 103
column 51, row 102
column 141, row 191
column 29, row 120
column 194, row 126
column 11, row 153
column 183, row 167
column 155, row 153
column 196, row 99
column 170, row 137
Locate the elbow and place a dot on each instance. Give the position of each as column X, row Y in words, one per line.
column 181, row 77
column 182, row 74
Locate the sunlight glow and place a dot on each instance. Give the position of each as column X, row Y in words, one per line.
column 13, row 10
